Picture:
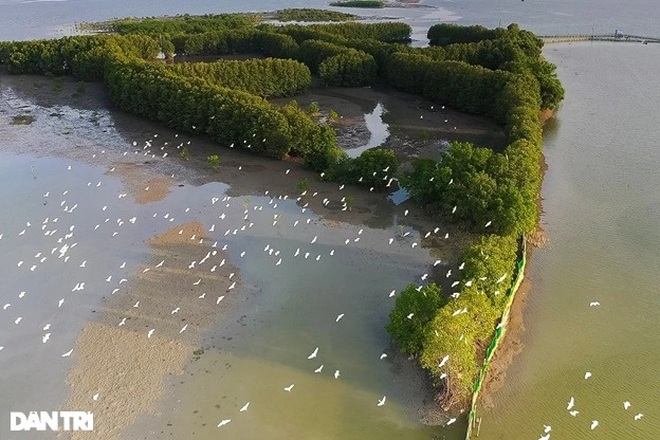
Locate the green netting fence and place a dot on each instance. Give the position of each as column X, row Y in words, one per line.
column 499, row 333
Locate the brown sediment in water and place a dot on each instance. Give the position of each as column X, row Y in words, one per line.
column 546, row 115
column 125, row 366
column 142, row 184
column 126, row 369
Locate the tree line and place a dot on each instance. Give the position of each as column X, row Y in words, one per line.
column 266, row 78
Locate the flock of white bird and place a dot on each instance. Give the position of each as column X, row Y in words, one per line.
column 570, row 407
column 63, row 240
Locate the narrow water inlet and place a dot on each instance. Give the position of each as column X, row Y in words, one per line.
column 379, row 131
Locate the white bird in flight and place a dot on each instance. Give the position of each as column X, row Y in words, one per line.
column 313, row 354
column 594, row 424
column 224, row 422
column 245, row 407
column 571, row 403
column 289, row 388
column 381, row 402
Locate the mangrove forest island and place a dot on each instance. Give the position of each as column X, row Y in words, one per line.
column 233, row 78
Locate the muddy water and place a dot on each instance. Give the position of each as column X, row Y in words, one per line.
column 158, row 243
column 602, row 217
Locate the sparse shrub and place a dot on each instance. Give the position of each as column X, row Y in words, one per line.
column 214, row 161
column 303, row 185
column 185, row 153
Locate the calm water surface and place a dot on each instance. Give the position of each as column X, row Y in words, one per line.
column 602, row 219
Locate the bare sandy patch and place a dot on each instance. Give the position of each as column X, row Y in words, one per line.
column 142, row 184
column 127, row 371
column 149, row 331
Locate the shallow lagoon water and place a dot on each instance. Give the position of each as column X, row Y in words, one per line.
column 79, row 188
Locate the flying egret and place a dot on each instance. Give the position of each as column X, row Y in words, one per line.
column 224, row 422
column 313, row 354
column 289, row 388
column 594, row 424
column 245, row 407
column 381, row 402
column 571, row 403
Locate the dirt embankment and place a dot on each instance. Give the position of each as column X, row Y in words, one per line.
column 511, row 345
